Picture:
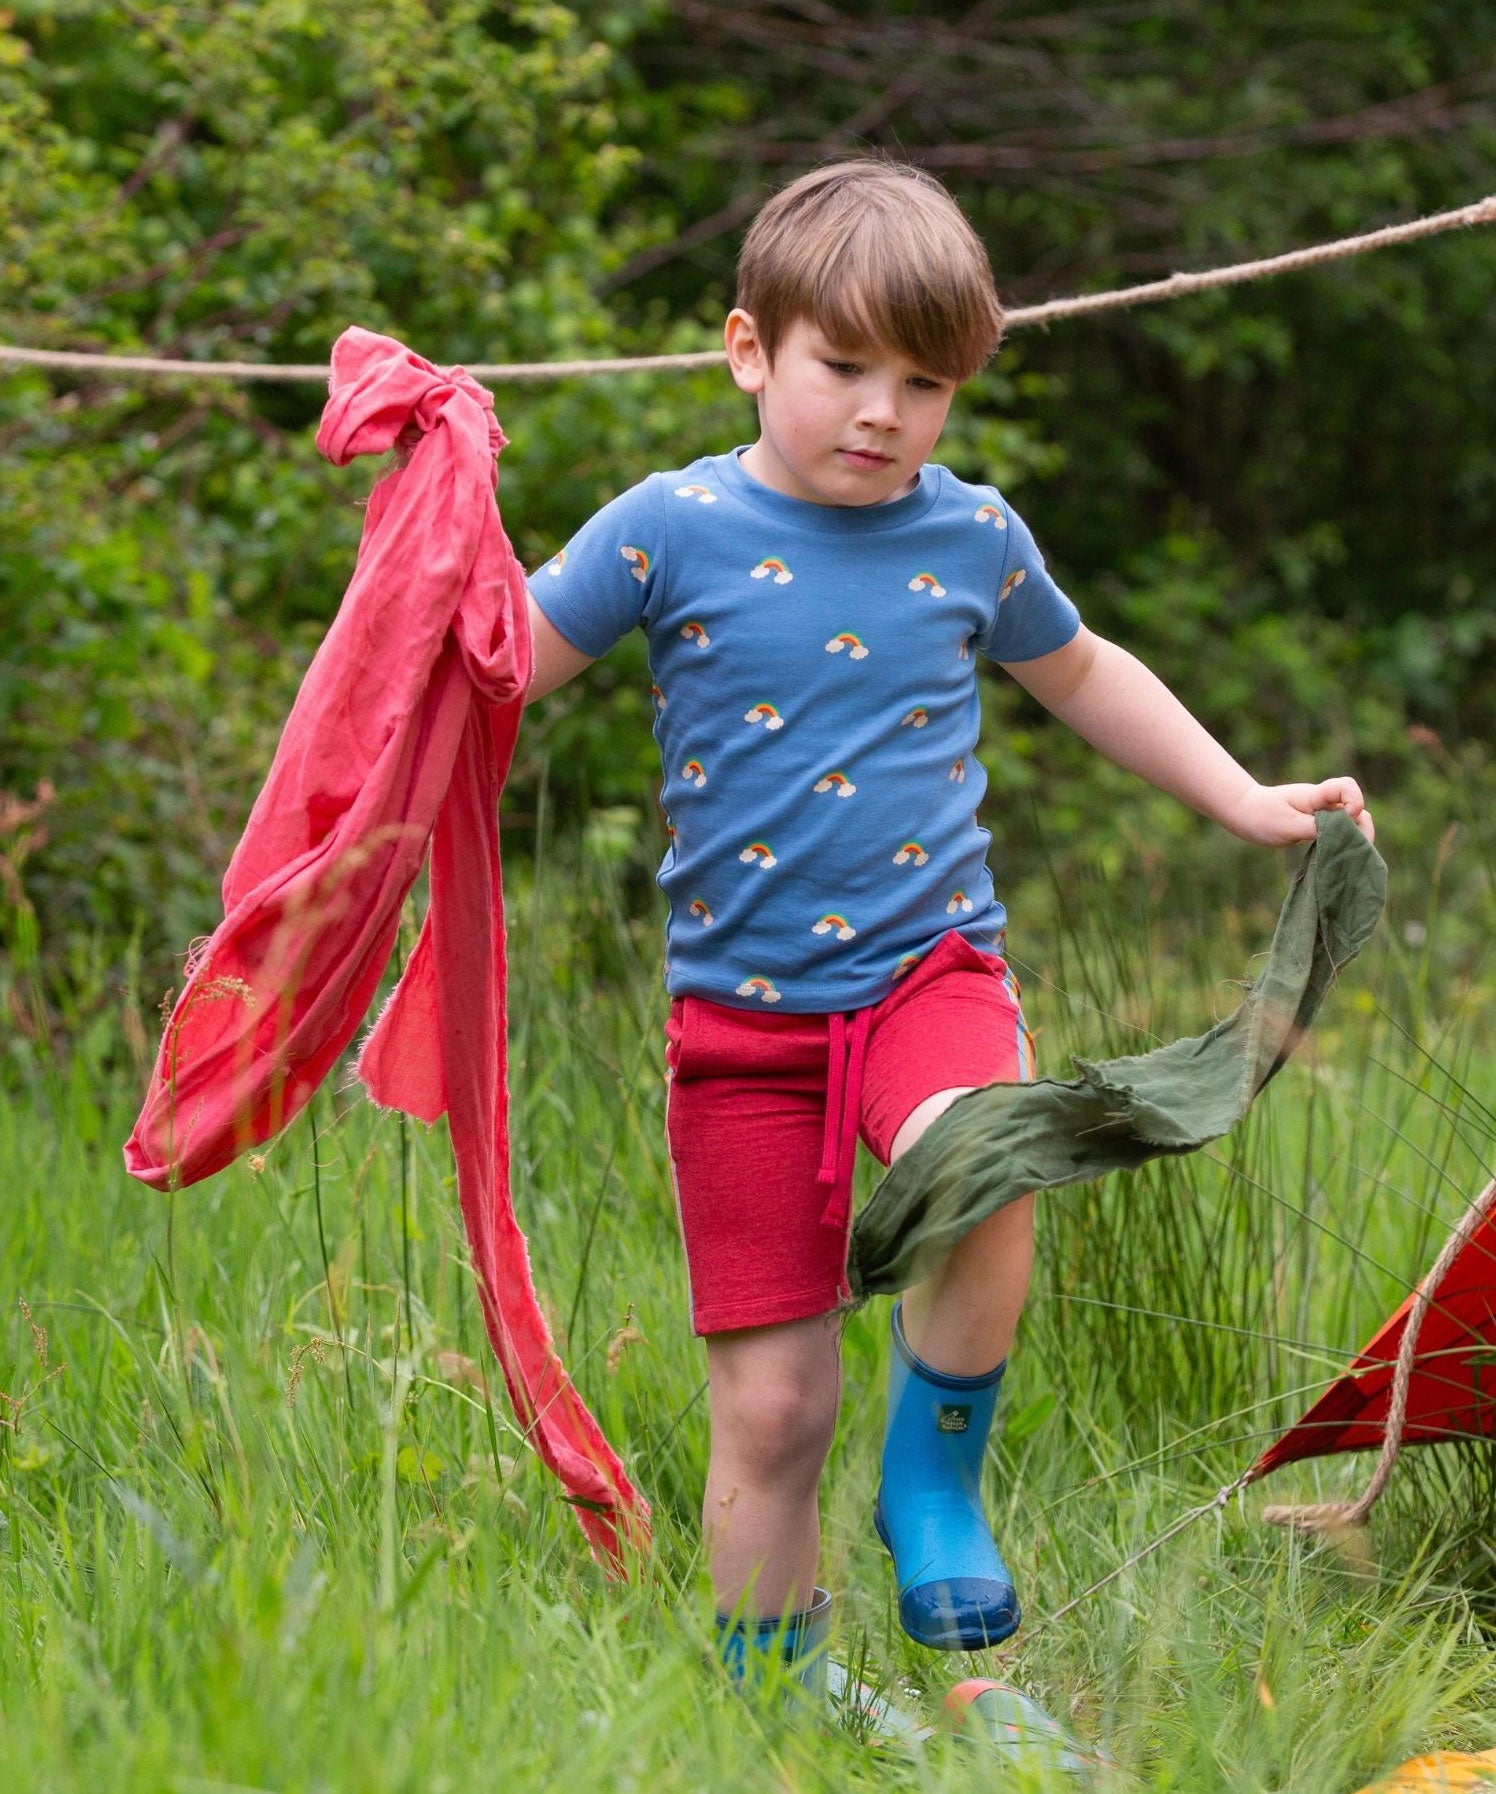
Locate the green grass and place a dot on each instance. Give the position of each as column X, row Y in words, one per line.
column 263, row 1527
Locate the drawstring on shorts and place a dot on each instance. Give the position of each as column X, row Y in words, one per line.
column 848, row 1055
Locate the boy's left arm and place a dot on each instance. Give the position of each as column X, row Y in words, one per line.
column 1111, row 700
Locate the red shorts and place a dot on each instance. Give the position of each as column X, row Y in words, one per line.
column 763, row 1110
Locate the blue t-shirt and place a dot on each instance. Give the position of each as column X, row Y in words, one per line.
column 816, row 707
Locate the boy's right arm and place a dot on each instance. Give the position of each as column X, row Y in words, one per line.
column 597, row 588
column 556, row 660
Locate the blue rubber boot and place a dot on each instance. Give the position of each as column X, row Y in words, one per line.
column 800, row 1643
column 955, row 1592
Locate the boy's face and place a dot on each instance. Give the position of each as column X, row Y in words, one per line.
column 837, row 426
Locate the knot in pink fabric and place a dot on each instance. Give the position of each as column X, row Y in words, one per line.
column 380, row 391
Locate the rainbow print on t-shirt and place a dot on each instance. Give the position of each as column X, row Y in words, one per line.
column 702, row 494
column 759, row 987
column 758, row 853
column 959, row 900
column 693, row 632
column 915, row 718
column 765, row 714
column 927, row 582
column 1012, row 583
column 957, row 774
column 556, row 563
column 911, row 850
column 853, row 644
column 837, row 782
column 638, row 561
column 695, row 773
column 660, row 700
column 991, row 514
column 833, row 923
column 771, row 564
column 702, row 914
column 906, row 965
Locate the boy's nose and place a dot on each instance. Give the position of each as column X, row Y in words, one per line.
column 879, row 410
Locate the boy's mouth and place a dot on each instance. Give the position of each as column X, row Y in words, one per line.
column 866, row 460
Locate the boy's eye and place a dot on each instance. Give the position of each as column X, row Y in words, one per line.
column 843, row 367
column 923, row 383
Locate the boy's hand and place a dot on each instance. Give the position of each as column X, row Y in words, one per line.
column 1279, row 815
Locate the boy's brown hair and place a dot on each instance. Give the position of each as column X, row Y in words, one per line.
column 873, row 251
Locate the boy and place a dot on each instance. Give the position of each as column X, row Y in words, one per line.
column 813, row 603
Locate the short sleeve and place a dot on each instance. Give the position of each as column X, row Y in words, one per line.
column 1032, row 615
column 607, row 579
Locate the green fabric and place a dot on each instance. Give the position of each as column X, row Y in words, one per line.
column 1000, row 1142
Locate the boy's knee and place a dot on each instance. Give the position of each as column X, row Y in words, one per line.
column 776, row 1427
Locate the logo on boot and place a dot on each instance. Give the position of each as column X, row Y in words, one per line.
column 953, row 1419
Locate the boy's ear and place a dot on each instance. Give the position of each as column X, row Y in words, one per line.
column 745, row 351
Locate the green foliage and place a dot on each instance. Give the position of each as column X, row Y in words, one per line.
column 244, row 180
column 1282, row 496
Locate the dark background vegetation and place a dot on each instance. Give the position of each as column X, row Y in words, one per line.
column 1281, row 495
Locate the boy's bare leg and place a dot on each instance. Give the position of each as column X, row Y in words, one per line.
column 774, row 1393
column 961, row 1320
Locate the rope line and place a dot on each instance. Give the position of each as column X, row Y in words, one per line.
column 1175, row 286
column 517, row 371
column 1331, row 1516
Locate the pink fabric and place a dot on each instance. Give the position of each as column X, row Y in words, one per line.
column 399, row 740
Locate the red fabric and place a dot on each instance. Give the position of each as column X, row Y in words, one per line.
column 399, row 739
column 1452, row 1393
column 760, row 1103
